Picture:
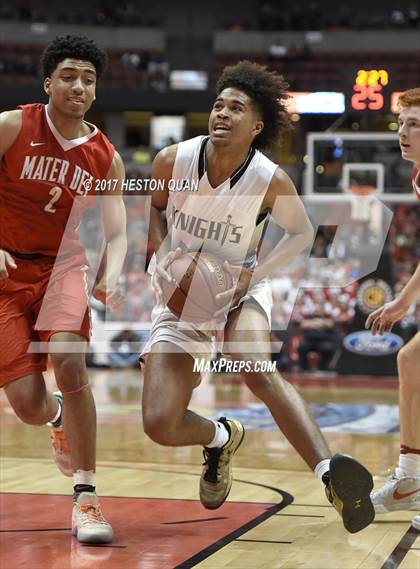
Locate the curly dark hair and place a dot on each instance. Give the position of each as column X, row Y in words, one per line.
column 268, row 91
column 74, row 47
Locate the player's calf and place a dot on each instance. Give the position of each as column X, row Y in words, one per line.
column 159, row 427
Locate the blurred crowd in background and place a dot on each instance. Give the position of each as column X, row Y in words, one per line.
column 271, row 15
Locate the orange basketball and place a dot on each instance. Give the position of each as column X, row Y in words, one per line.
column 199, row 278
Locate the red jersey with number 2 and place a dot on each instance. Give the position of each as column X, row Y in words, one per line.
column 46, row 183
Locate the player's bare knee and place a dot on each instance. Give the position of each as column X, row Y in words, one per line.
column 150, row 424
column 28, row 413
column 408, row 366
column 158, row 427
column 261, row 384
column 70, row 371
column 28, row 398
column 257, row 373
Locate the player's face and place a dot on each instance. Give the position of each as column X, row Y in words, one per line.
column 233, row 119
column 71, row 87
column 409, row 132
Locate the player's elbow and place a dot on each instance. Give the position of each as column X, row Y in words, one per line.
column 308, row 235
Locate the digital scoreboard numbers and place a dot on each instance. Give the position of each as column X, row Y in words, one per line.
column 368, row 90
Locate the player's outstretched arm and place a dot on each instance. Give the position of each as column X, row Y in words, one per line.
column 287, row 210
column 162, row 168
column 114, row 221
column 383, row 319
column 10, row 127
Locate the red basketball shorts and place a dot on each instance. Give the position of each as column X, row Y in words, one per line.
column 38, row 300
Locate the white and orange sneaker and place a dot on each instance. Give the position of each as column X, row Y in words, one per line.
column 88, row 523
column 61, row 449
column 397, row 494
column 415, row 522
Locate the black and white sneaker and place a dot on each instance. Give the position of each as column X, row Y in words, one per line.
column 348, row 486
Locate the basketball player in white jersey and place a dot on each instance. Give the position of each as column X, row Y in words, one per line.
column 237, row 187
column 402, row 490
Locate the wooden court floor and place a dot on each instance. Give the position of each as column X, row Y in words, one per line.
column 276, row 517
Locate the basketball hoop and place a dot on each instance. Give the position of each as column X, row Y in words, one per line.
column 361, row 198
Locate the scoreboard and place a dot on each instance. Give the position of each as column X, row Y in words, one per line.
column 366, row 91
column 369, row 89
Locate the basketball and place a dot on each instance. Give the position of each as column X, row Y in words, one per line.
column 199, row 278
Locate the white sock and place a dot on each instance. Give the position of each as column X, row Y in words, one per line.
column 408, row 465
column 84, row 477
column 57, row 415
column 221, row 435
column 321, row 468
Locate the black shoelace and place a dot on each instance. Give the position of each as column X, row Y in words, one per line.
column 211, row 460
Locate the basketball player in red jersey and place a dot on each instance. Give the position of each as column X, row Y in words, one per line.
column 402, row 490
column 50, row 159
column 248, row 115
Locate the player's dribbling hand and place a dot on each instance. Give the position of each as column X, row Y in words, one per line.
column 231, row 297
column 162, row 271
column 113, row 299
column 383, row 319
column 6, row 260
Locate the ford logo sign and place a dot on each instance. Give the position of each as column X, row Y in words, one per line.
column 367, row 345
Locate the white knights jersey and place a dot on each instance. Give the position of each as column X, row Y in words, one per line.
column 226, row 220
